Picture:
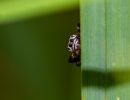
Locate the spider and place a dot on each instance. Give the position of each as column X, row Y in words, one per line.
column 74, row 47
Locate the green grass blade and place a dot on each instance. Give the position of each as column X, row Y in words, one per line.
column 93, row 49
column 105, row 49
column 118, row 49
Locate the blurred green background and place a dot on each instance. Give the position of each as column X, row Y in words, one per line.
column 33, row 53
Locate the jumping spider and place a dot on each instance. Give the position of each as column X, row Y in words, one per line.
column 74, row 47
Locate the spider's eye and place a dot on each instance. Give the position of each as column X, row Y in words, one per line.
column 70, row 45
column 69, row 49
column 71, row 40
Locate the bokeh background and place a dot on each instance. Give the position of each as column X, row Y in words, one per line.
column 33, row 53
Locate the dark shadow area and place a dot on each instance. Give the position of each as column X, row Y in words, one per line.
column 93, row 78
